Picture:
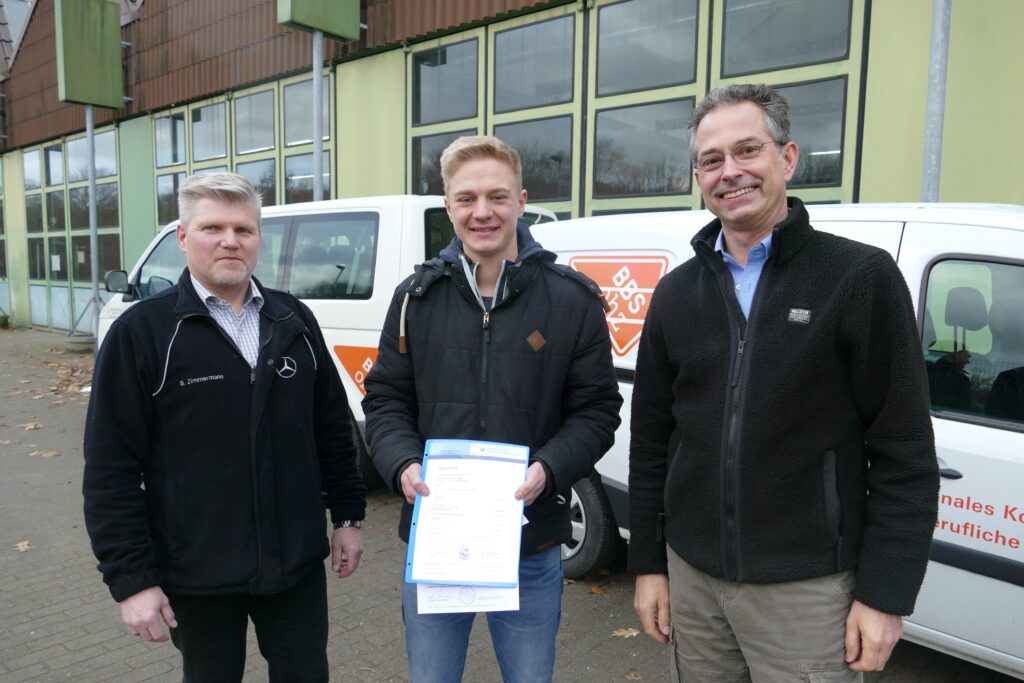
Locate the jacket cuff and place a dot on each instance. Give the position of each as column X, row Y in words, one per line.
column 127, row 585
column 396, row 485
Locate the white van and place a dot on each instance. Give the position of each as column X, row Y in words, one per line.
column 964, row 265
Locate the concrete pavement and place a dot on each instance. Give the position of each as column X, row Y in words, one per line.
column 58, row 622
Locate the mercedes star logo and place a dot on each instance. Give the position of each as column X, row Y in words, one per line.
column 287, row 368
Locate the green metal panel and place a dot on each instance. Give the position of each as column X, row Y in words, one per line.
column 138, row 191
column 336, row 18
column 371, row 124
column 88, row 38
column 17, row 246
column 982, row 146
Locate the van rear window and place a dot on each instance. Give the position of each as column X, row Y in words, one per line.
column 333, row 255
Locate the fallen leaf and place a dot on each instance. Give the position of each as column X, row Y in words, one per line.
column 58, row 402
column 39, row 396
column 6, row 442
column 30, row 426
column 569, row 582
column 22, row 546
column 598, row 590
column 25, row 381
column 45, row 454
column 625, row 633
column 633, row 676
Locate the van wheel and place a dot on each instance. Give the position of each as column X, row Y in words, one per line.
column 595, row 536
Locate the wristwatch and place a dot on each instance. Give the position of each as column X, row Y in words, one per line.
column 346, row 523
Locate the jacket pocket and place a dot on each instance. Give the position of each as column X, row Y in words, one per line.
column 833, row 506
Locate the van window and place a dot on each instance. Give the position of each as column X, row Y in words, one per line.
column 973, row 338
column 334, row 255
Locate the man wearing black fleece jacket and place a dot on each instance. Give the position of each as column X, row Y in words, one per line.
column 783, row 478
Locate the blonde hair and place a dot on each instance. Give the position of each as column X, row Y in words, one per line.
column 471, row 147
column 228, row 187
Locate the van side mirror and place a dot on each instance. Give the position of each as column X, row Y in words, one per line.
column 116, row 281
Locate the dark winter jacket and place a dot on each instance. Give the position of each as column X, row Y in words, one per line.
column 794, row 445
column 233, row 459
column 536, row 370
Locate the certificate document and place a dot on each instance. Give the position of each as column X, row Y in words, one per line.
column 468, row 530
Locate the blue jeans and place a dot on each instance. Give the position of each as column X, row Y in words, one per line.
column 524, row 641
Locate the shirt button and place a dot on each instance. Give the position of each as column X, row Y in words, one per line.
column 739, row 288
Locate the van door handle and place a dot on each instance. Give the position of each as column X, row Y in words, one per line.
column 949, row 473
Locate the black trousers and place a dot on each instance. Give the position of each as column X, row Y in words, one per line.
column 291, row 629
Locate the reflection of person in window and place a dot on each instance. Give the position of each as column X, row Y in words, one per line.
column 1007, row 396
column 950, row 382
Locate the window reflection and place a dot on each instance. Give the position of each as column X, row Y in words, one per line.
column 167, row 196
column 109, row 255
column 642, row 150
column 54, row 165
column 334, row 256
column 169, row 132
column 262, row 174
column 816, row 124
column 106, row 206
column 254, row 122
column 34, row 213
column 533, row 65
column 106, row 157
column 444, row 83
column 426, row 161
column 646, row 44
column 298, row 181
column 3, row 258
column 209, row 132
column 298, row 112
column 30, row 164
column 545, row 147
column 55, row 211
column 762, row 35
column 58, row 263
column 36, row 258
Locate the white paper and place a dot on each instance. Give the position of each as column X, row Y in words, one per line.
column 435, row 599
column 468, row 530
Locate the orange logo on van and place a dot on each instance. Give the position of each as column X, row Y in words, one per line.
column 627, row 283
column 357, row 361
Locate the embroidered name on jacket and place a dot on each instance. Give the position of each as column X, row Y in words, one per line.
column 799, row 315
column 198, row 380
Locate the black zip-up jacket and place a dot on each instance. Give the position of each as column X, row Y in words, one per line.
column 236, row 462
column 535, row 370
column 793, row 445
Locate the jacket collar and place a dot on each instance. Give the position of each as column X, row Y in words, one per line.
column 788, row 237
column 189, row 302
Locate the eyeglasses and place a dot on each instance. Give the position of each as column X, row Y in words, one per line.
column 741, row 154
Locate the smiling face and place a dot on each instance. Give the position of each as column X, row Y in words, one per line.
column 484, row 202
column 749, row 197
column 221, row 242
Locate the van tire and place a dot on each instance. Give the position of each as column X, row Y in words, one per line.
column 595, row 535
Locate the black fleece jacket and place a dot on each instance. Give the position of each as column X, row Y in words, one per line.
column 235, row 461
column 792, row 445
column 536, row 371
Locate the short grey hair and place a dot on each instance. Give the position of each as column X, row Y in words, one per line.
column 774, row 106
column 227, row 187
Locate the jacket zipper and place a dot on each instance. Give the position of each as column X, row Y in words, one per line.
column 482, row 405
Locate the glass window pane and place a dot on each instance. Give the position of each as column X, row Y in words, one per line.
column 110, row 256
column 34, row 213
column 298, row 178
column 439, row 231
column 106, row 157
column 36, row 258
column 211, row 169
column 58, row 263
column 533, row 65
column 642, row 150
column 30, row 162
column 972, row 369
column 170, row 139
column 55, row 211
column 334, row 256
column 763, row 35
column 444, row 83
column 816, row 124
column 268, row 268
column 163, row 267
column 54, row 165
column 426, row 161
column 209, row 132
column 262, row 174
column 106, row 207
column 545, row 148
column 1, row 214
column 3, row 258
column 298, row 108
column 254, row 122
column 167, row 197
column 646, row 44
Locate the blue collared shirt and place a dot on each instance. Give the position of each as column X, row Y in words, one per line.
column 745, row 279
column 243, row 328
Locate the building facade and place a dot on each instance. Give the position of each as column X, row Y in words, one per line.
column 595, row 94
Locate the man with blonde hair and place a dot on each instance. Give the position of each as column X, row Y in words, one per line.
column 217, row 431
column 492, row 341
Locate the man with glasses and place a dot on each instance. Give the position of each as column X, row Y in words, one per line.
column 783, row 480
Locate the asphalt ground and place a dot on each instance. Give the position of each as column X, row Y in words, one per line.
column 59, row 623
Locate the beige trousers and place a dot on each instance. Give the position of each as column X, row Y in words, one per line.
column 728, row 632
